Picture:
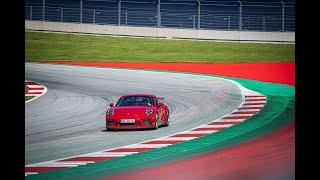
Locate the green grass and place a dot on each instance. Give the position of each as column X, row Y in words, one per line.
column 28, row 97
column 50, row 46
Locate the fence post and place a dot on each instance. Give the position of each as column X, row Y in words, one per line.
column 199, row 13
column 80, row 11
column 94, row 16
column 43, row 10
column 264, row 23
column 228, row 22
column 61, row 14
column 158, row 14
column 30, row 12
column 119, row 12
column 240, row 15
column 126, row 18
column 282, row 17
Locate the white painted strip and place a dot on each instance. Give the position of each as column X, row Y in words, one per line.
column 210, row 131
column 147, row 146
column 248, row 110
column 198, row 132
column 111, row 154
column 176, row 139
column 233, row 120
column 76, row 162
column 255, row 98
column 56, row 165
column 217, row 126
column 34, row 86
column 30, row 173
column 35, row 91
column 32, row 94
column 251, row 102
column 242, row 115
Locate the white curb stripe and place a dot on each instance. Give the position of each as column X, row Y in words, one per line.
column 199, row 132
column 147, row 146
column 217, row 126
column 177, row 138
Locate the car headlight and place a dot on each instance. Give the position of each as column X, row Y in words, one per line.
column 110, row 111
column 149, row 111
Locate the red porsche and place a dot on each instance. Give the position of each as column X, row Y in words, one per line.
column 137, row 111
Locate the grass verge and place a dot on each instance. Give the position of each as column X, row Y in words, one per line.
column 51, row 46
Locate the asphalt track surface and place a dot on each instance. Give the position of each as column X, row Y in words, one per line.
column 69, row 119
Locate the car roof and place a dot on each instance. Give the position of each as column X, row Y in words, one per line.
column 141, row 94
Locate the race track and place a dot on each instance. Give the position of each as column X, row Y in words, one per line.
column 69, row 119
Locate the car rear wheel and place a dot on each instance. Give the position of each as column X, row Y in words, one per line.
column 156, row 125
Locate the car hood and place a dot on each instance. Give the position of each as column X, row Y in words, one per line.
column 131, row 110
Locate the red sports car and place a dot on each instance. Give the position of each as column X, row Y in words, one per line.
column 137, row 111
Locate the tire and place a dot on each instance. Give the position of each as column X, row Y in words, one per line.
column 156, row 126
column 168, row 120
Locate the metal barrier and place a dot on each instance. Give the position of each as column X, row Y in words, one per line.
column 197, row 14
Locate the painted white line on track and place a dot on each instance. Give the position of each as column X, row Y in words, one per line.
column 177, row 138
column 217, row 126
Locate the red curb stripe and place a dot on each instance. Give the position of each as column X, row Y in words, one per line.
column 223, row 123
column 254, row 103
column 164, row 142
column 251, row 108
column 34, row 93
column 188, row 135
column 39, row 88
column 30, row 83
column 129, row 150
column 245, row 112
column 253, row 100
column 213, row 128
column 95, row 159
column 236, row 117
column 41, row 169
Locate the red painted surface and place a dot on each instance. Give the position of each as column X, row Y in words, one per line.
column 236, row 117
column 95, row 159
column 41, row 88
column 222, row 123
column 41, row 169
column 255, row 99
column 269, row 154
column 130, row 150
column 277, row 72
column 246, row 112
column 256, row 108
column 30, row 83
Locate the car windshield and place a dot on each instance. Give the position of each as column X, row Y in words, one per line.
column 135, row 101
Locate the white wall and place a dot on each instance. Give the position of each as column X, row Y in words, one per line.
column 162, row 32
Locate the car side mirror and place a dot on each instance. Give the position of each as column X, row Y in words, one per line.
column 111, row 104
